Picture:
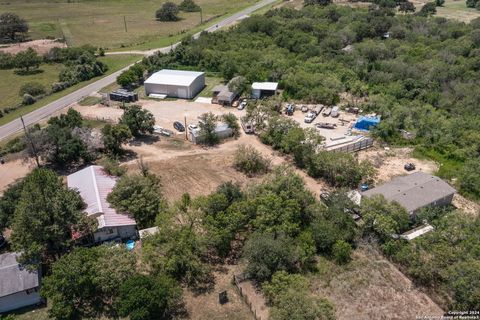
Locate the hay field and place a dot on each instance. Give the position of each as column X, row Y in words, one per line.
column 101, row 22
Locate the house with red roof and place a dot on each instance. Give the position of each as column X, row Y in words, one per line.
column 94, row 184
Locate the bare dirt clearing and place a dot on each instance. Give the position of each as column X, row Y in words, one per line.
column 42, row 46
column 370, row 287
column 12, row 171
column 389, row 163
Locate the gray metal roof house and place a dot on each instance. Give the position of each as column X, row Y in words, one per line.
column 175, row 83
column 415, row 191
column 18, row 287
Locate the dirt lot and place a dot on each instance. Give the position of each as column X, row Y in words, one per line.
column 389, row 163
column 14, row 170
column 41, row 46
column 370, row 287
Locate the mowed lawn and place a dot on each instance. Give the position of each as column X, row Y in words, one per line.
column 101, row 22
column 11, row 83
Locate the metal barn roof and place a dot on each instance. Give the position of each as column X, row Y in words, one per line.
column 413, row 191
column 13, row 277
column 174, row 77
column 270, row 86
column 94, row 185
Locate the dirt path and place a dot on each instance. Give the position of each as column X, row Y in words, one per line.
column 42, row 46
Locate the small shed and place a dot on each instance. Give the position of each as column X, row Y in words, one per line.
column 264, row 89
column 18, row 287
column 222, row 95
column 175, row 83
column 365, row 123
column 222, row 131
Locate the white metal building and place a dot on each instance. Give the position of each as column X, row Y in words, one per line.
column 18, row 287
column 222, row 130
column 264, row 89
column 175, row 83
column 94, row 185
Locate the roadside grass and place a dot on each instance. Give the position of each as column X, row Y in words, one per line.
column 114, row 62
column 90, row 101
column 114, row 24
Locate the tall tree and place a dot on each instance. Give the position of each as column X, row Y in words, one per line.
column 208, row 124
column 168, row 12
column 27, row 60
column 138, row 120
column 114, row 136
column 138, row 195
column 44, row 216
column 11, row 25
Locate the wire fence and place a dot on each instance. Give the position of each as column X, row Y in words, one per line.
column 238, row 279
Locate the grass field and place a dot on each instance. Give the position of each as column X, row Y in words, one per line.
column 9, row 88
column 101, row 22
column 452, row 9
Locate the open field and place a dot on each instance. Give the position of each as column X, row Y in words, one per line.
column 453, row 9
column 101, row 22
column 370, row 287
column 10, row 87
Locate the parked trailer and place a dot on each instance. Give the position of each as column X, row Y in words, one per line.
column 318, row 109
column 354, row 146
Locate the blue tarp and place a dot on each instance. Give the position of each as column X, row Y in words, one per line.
column 364, row 123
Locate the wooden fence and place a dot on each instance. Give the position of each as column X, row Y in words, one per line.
column 239, row 278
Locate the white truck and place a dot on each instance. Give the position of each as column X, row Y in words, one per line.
column 310, row 117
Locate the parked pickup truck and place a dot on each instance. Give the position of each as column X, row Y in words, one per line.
column 310, row 117
column 327, row 112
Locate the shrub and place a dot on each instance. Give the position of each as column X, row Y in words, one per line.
column 168, row 12
column 232, row 122
column 112, row 167
column 28, row 99
column 341, row 252
column 7, row 60
column 59, row 86
column 32, row 88
column 251, row 162
column 189, row 6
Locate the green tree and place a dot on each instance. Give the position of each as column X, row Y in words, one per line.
column 148, row 297
column 428, row 9
column 208, row 124
column 43, row 217
column 439, row 3
column 406, row 6
column 250, row 161
column 282, row 282
column 239, row 85
column 470, row 178
column 138, row 195
column 114, row 136
column 8, row 203
column 168, row 12
column 471, row 3
column 138, row 120
column 32, row 88
column 27, row 59
column 294, row 305
column 232, row 121
column 341, row 252
column 85, row 282
column 317, row 2
column 266, row 255
column 12, row 25
column 189, row 6
column 383, row 217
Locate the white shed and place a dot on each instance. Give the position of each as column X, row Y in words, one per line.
column 175, row 83
column 264, row 89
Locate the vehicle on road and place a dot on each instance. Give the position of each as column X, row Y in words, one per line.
column 335, row 112
column 310, row 117
column 178, row 126
column 409, row 166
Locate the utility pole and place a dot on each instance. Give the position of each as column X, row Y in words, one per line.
column 185, row 121
column 31, row 142
column 201, row 16
column 125, row 23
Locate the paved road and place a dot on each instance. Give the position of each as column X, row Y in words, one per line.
column 46, row 111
